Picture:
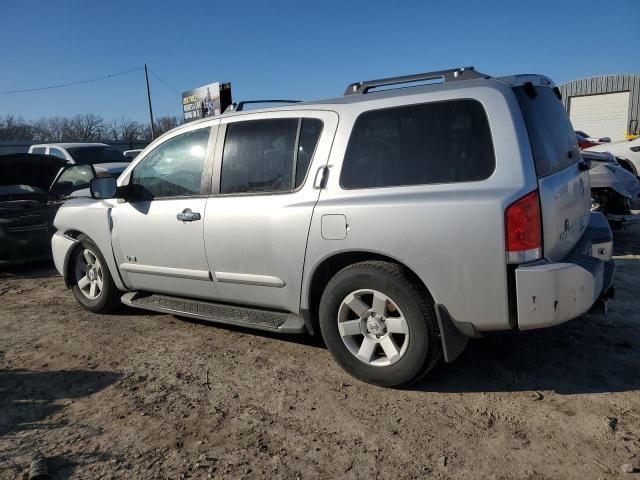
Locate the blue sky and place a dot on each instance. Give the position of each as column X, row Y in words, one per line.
column 290, row 49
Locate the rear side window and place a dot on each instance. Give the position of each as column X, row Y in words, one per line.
column 553, row 141
column 38, row 150
column 439, row 142
column 268, row 156
column 56, row 153
column 97, row 154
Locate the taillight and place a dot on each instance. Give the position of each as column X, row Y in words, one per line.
column 523, row 229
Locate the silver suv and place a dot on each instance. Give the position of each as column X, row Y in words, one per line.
column 395, row 222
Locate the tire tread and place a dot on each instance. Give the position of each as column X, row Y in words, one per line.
column 418, row 292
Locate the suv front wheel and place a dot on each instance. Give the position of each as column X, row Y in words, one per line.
column 91, row 281
column 379, row 325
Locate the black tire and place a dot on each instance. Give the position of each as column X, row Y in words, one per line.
column 424, row 345
column 109, row 297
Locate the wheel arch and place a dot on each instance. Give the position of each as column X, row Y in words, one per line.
column 332, row 264
column 74, row 234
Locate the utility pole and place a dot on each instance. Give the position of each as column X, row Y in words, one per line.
column 146, row 76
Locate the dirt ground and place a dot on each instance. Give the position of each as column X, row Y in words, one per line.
column 126, row 396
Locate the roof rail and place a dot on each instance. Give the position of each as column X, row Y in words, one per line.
column 239, row 106
column 460, row 73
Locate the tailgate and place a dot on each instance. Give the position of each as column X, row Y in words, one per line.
column 565, row 202
column 565, row 195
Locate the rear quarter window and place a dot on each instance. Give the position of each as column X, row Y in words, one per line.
column 438, row 142
column 553, row 141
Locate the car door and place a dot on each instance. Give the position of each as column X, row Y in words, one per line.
column 264, row 191
column 158, row 232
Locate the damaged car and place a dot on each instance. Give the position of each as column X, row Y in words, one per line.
column 614, row 190
column 32, row 188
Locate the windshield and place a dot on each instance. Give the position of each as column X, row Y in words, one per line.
column 553, row 141
column 93, row 155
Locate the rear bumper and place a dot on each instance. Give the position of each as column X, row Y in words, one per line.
column 552, row 293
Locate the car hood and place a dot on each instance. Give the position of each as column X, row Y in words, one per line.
column 30, row 169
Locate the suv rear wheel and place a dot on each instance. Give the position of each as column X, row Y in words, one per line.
column 379, row 325
column 92, row 284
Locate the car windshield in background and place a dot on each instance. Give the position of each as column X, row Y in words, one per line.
column 93, row 155
column 553, row 141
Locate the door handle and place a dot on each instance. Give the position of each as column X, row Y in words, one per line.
column 320, row 181
column 188, row 216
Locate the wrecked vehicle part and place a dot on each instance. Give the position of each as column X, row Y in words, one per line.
column 27, row 206
column 614, row 190
column 617, row 179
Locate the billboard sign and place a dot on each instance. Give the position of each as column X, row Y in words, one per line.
column 206, row 101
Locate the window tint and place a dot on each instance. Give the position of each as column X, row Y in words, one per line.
column 173, row 168
column 56, row 153
column 258, row 156
column 96, row 154
column 553, row 141
column 38, row 150
column 440, row 142
column 309, row 134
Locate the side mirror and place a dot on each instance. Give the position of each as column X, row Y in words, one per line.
column 103, row 187
column 605, row 139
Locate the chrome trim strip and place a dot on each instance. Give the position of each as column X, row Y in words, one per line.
column 250, row 279
column 165, row 271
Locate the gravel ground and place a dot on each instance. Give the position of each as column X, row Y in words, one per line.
column 138, row 396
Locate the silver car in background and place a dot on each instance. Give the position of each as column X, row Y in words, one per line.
column 395, row 222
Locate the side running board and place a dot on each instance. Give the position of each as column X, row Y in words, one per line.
column 272, row 321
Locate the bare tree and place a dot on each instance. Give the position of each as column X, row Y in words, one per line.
column 130, row 130
column 112, row 130
column 164, row 124
column 86, row 127
column 41, row 131
column 58, row 129
column 13, row 128
column 83, row 127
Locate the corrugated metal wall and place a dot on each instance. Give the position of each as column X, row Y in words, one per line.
column 607, row 84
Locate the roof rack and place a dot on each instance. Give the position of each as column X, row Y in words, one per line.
column 239, row 106
column 460, row 73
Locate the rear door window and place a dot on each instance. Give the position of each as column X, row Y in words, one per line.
column 439, row 142
column 268, row 156
column 310, row 131
column 553, row 141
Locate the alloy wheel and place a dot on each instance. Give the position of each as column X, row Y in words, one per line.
column 373, row 328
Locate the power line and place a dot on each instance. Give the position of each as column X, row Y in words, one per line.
column 165, row 83
column 104, row 77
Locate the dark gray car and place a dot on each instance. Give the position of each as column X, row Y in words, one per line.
column 32, row 188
